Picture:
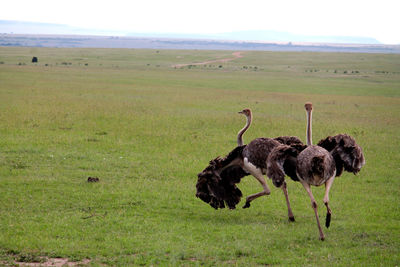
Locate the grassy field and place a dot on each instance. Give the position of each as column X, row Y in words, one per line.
column 145, row 129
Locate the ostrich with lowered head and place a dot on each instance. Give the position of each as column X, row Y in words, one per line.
column 316, row 165
column 216, row 184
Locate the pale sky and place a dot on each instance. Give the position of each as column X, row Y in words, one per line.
column 379, row 19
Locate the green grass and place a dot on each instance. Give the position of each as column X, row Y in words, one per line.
column 146, row 130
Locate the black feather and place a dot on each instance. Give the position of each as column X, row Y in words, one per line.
column 347, row 153
column 216, row 184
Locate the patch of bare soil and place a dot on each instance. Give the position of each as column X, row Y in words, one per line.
column 223, row 60
column 54, row 262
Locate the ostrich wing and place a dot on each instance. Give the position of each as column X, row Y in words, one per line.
column 216, row 184
column 289, row 140
column 347, row 153
column 282, row 161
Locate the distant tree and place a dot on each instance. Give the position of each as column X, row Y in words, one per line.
column 34, row 60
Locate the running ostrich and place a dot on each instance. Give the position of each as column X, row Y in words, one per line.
column 216, row 184
column 316, row 165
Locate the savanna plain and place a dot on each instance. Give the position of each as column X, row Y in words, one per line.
column 146, row 129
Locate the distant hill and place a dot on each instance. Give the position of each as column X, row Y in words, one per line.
column 289, row 37
column 14, row 33
column 265, row 36
column 22, row 27
column 57, row 40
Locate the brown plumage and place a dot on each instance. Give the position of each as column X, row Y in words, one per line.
column 347, row 154
column 289, row 140
column 215, row 182
column 312, row 166
column 316, row 165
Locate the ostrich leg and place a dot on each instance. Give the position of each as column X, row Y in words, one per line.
column 314, row 206
column 328, row 186
column 290, row 213
column 259, row 176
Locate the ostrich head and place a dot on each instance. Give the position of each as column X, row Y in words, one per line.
column 308, row 106
column 246, row 112
column 347, row 153
column 216, row 184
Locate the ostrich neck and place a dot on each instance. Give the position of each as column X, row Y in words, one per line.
column 242, row 131
column 309, row 128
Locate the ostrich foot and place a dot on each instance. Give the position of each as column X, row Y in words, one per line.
column 328, row 220
column 247, row 205
column 291, row 219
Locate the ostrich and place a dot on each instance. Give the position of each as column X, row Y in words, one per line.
column 316, row 165
column 248, row 114
column 216, row 184
column 313, row 166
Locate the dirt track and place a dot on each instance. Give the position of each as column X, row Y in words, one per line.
column 223, row 60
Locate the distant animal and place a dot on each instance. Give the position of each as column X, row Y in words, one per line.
column 216, row 184
column 34, row 60
column 93, row 179
column 315, row 165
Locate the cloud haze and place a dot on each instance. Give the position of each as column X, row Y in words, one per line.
column 376, row 19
